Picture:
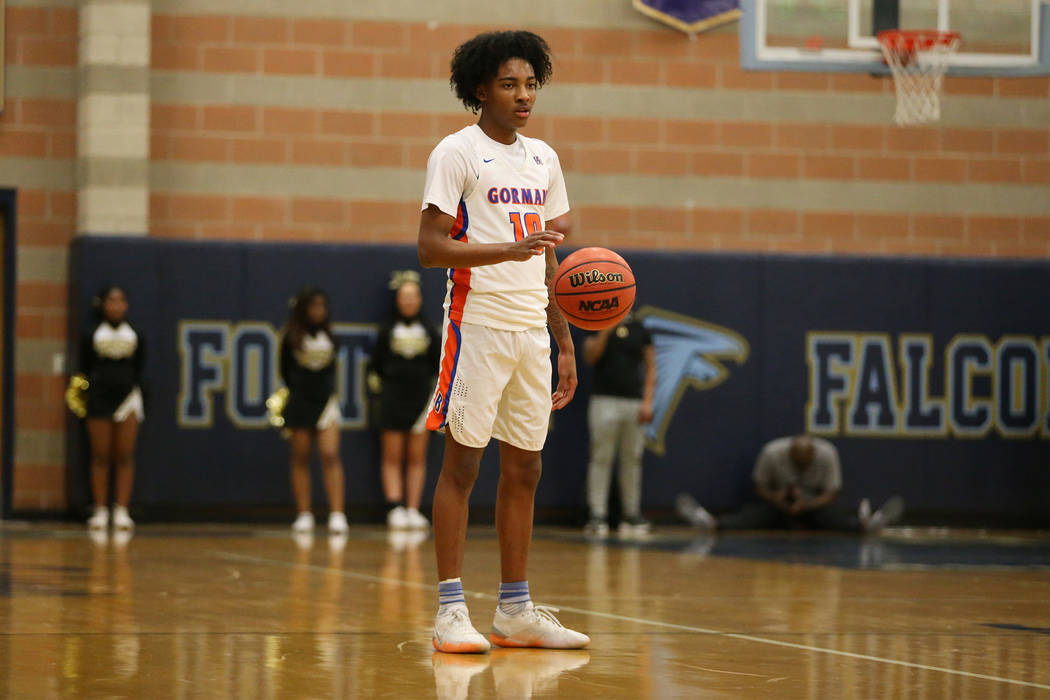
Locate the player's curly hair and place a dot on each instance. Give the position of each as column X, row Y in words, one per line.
column 476, row 61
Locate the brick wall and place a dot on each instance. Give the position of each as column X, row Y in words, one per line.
column 271, row 126
column 37, row 148
column 750, row 153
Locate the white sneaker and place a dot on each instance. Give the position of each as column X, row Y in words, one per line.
column 454, row 634
column 536, row 626
column 864, row 509
column 337, row 523
column 892, row 509
column 121, row 519
column 397, row 519
column 864, row 512
column 888, row 514
column 596, row 527
column 635, row 526
column 694, row 513
column 304, row 523
column 99, row 520
column 416, row 520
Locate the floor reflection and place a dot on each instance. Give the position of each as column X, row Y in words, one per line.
column 517, row 674
column 402, row 563
column 854, row 552
column 110, row 655
column 453, row 673
column 247, row 613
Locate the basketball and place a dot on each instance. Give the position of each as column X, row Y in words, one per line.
column 594, row 288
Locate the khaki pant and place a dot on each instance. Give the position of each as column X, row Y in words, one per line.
column 614, row 424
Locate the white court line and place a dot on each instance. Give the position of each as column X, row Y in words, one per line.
column 230, row 556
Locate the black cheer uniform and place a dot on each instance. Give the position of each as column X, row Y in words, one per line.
column 406, row 361
column 112, row 358
column 309, row 374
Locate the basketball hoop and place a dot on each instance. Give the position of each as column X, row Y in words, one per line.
column 918, row 59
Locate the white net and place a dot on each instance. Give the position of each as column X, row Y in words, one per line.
column 918, row 61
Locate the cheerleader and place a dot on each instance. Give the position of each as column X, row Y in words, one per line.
column 312, row 410
column 403, row 368
column 112, row 357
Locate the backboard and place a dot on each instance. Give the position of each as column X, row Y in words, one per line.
column 999, row 37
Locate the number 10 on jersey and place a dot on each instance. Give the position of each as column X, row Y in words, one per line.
column 533, row 224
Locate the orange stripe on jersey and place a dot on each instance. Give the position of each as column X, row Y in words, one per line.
column 450, row 353
column 460, row 276
column 449, row 363
column 460, row 290
column 459, row 228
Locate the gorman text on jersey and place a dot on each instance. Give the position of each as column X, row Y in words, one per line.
column 517, row 195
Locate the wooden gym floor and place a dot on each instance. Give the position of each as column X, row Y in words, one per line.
column 243, row 612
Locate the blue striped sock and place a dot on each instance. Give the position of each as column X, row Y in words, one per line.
column 513, row 596
column 450, row 592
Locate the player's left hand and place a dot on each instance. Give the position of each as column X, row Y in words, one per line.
column 645, row 413
column 566, row 381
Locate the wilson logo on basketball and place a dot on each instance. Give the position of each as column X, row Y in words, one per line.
column 578, row 279
column 594, row 288
column 600, row 304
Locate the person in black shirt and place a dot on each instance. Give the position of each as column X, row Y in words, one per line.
column 112, row 357
column 621, row 404
column 307, row 366
column 403, row 370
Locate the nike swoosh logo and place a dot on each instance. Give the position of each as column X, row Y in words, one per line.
column 487, row 161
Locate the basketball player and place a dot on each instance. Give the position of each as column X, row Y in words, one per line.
column 489, row 208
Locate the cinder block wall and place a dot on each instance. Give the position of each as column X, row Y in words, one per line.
column 313, row 120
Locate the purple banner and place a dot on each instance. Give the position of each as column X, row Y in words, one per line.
column 690, row 16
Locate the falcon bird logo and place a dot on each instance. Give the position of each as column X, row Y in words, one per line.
column 689, row 353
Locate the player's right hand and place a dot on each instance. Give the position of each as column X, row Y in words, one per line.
column 533, row 245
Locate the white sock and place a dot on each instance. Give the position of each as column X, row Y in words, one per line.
column 513, row 597
column 450, row 593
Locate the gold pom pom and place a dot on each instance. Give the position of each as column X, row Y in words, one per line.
column 375, row 383
column 275, row 404
column 76, row 395
column 400, row 277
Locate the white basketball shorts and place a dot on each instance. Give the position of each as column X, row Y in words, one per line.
column 493, row 384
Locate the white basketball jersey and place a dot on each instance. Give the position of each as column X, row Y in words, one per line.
column 498, row 194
